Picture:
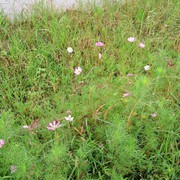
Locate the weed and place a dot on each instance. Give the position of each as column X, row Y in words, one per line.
column 107, row 80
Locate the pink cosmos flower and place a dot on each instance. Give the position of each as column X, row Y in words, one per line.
column 68, row 112
column 99, row 44
column 126, row 94
column 141, row 45
column 154, row 115
column 131, row 39
column 100, row 56
column 78, row 71
column 129, row 75
column 2, row 142
column 54, row 125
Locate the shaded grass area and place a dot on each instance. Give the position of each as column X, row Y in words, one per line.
column 112, row 137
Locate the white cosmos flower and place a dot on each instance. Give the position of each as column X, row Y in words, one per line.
column 154, row 115
column 13, row 169
column 78, row 71
column 147, row 67
column 131, row 39
column 126, row 94
column 69, row 118
column 26, row 127
column 141, row 45
column 100, row 56
column 70, row 49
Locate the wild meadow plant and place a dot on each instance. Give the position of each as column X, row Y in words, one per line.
column 91, row 94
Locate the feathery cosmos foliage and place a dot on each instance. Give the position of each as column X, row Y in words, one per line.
column 91, row 94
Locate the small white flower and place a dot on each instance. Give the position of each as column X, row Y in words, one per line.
column 126, row 94
column 69, row 118
column 131, row 39
column 147, row 67
column 26, row 127
column 13, row 169
column 70, row 49
column 78, row 71
column 154, row 115
column 141, row 45
column 100, row 56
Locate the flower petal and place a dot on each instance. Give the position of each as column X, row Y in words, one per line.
column 99, row 44
column 50, row 128
column 141, row 45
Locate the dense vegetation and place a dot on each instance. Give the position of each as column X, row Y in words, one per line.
column 124, row 96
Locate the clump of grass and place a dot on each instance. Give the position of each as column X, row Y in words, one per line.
column 125, row 126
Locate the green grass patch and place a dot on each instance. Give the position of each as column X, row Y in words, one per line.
column 125, row 117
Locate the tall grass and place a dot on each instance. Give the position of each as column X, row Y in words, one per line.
column 112, row 136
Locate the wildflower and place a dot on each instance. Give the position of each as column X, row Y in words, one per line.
column 99, row 44
column 170, row 64
column 78, row 71
column 147, row 67
column 154, row 115
column 68, row 112
column 129, row 74
column 69, row 118
column 101, row 145
column 33, row 125
column 70, row 49
column 54, row 125
column 141, row 45
column 26, row 127
column 100, row 56
column 13, row 169
column 2, row 142
column 131, row 39
column 126, row 94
